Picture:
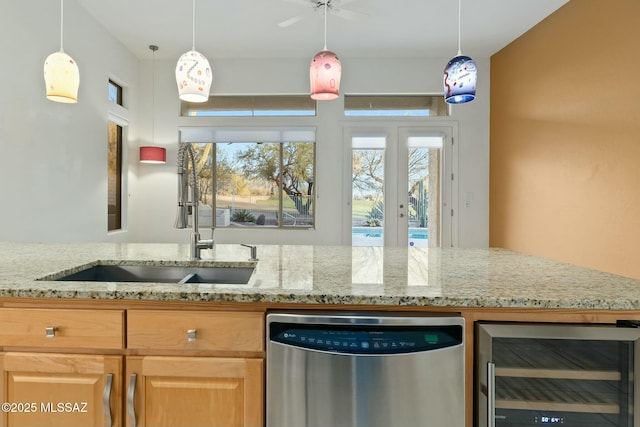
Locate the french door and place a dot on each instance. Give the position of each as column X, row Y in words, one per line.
column 402, row 180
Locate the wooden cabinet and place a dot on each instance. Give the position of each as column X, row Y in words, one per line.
column 61, row 389
column 131, row 366
column 45, row 382
column 194, row 391
column 203, row 385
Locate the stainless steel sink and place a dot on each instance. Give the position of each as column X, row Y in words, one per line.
column 159, row 274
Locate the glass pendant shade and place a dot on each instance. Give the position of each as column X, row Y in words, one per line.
column 61, row 78
column 194, row 77
column 152, row 154
column 460, row 76
column 324, row 75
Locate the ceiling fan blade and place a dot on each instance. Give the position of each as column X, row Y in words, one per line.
column 289, row 22
column 347, row 14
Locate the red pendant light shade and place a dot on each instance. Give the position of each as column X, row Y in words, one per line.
column 151, row 154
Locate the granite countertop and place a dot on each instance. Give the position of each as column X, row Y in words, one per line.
column 326, row 275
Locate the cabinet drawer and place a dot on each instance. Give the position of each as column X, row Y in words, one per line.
column 61, row 328
column 195, row 330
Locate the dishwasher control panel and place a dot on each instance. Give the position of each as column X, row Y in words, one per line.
column 367, row 340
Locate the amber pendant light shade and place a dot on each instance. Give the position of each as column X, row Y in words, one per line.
column 61, row 73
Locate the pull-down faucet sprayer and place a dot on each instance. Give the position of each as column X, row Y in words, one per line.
column 186, row 154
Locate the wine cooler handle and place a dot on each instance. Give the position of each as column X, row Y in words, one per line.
column 491, row 394
column 130, row 402
column 106, row 400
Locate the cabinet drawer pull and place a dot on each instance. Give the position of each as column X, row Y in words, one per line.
column 50, row 331
column 131, row 410
column 192, row 335
column 106, row 400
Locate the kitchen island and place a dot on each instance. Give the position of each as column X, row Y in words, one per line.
column 471, row 278
column 128, row 336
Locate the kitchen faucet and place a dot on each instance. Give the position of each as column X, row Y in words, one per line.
column 186, row 154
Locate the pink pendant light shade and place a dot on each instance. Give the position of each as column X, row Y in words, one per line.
column 152, row 154
column 325, row 70
column 324, row 75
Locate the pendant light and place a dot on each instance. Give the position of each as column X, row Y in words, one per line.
column 460, row 75
column 153, row 153
column 325, row 70
column 61, row 74
column 193, row 72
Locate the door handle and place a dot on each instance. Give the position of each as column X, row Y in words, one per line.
column 106, row 400
column 491, row 394
column 131, row 393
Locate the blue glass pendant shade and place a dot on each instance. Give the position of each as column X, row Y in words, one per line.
column 460, row 76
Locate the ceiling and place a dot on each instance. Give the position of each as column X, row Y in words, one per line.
column 355, row 28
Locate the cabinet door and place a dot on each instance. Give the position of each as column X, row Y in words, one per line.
column 194, row 391
column 60, row 390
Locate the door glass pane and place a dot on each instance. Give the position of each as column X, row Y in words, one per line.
column 563, row 382
column 367, row 204
column 424, row 190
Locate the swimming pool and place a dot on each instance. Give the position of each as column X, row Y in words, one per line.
column 374, row 236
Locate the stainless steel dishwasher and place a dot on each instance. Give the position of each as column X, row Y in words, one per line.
column 365, row 370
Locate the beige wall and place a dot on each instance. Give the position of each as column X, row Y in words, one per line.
column 565, row 138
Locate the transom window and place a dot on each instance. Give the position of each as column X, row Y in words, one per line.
column 251, row 106
column 395, row 105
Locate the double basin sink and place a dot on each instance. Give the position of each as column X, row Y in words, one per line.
column 236, row 274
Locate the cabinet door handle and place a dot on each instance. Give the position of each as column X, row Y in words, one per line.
column 131, row 410
column 491, row 394
column 106, row 400
column 192, row 335
column 50, row 331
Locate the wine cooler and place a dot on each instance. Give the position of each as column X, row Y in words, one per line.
column 557, row 375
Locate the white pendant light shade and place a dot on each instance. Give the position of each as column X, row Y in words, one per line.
column 324, row 75
column 61, row 77
column 194, row 77
column 153, row 154
column 460, row 76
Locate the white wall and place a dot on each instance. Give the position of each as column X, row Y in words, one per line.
column 53, row 168
column 62, row 148
column 156, row 200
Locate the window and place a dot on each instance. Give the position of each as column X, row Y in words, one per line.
column 395, row 105
column 115, row 93
column 251, row 106
column 257, row 184
column 114, row 177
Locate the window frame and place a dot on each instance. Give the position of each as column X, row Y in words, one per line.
column 282, row 195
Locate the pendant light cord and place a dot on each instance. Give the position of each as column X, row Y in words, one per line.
column 153, row 96
column 61, row 24
column 459, row 25
column 193, row 26
column 325, row 24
